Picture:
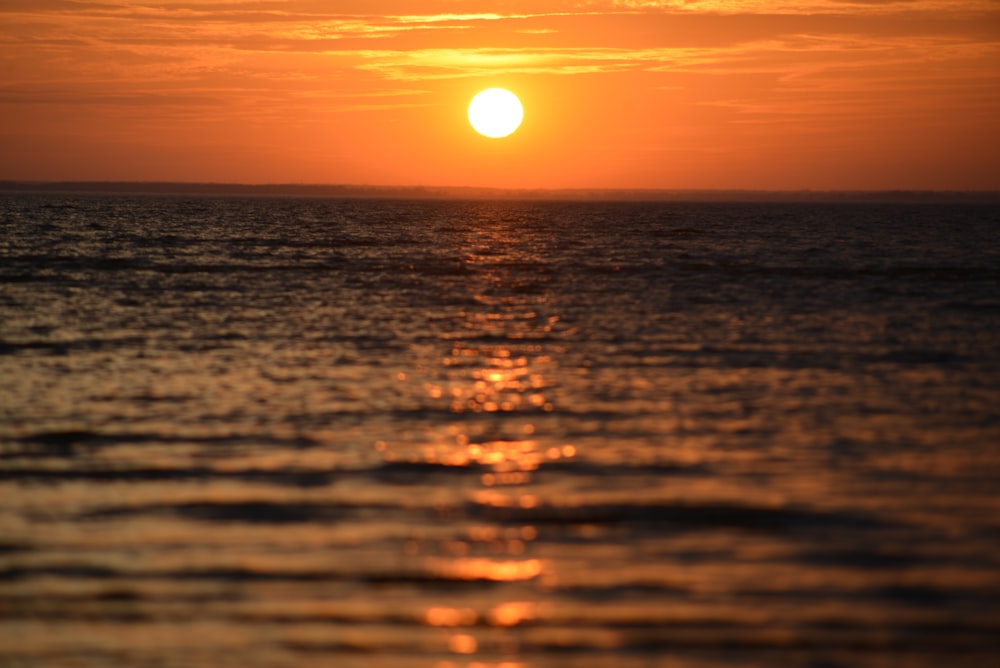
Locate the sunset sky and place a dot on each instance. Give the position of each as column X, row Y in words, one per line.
column 822, row 94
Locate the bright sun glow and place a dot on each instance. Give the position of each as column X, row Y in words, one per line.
column 495, row 112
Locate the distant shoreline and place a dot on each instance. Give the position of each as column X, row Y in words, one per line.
column 476, row 193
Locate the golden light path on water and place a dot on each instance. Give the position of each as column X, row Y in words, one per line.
column 506, row 382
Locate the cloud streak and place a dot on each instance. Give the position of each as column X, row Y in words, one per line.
column 804, row 7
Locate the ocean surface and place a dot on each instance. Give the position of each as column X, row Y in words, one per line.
column 496, row 434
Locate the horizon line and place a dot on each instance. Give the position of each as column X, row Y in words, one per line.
column 367, row 191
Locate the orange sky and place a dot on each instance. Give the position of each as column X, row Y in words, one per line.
column 821, row 94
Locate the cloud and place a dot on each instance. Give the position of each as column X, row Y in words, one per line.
column 794, row 55
column 768, row 7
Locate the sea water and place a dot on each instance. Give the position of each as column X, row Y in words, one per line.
column 302, row 432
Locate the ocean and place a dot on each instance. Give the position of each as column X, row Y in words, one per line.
column 293, row 432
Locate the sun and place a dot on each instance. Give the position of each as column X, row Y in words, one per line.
column 495, row 112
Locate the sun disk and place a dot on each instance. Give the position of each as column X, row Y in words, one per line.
column 495, row 113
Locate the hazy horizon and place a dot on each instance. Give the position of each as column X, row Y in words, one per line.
column 403, row 191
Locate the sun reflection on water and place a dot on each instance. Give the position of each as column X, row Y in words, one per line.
column 497, row 383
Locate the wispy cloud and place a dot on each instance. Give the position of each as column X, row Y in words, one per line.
column 767, row 7
column 812, row 54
